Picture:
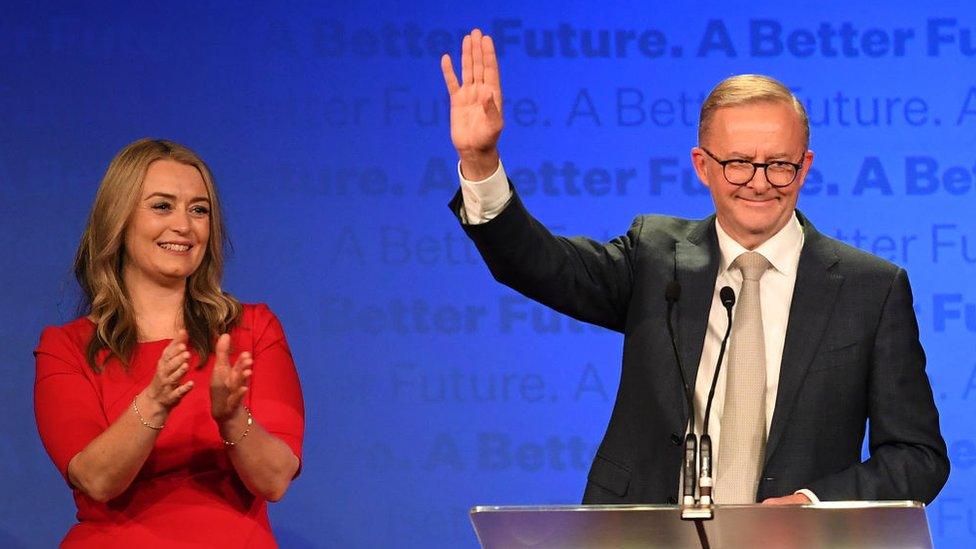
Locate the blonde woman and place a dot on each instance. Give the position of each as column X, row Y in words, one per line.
column 173, row 411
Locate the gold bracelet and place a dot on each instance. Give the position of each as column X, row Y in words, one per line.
column 144, row 422
column 250, row 421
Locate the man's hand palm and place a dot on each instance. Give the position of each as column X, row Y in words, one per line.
column 476, row 101
column 472, row 128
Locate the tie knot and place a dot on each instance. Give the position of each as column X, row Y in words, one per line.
column 752, row 265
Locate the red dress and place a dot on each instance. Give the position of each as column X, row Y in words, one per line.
column 187, row 493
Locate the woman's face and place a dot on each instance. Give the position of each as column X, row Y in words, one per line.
column 167, row 233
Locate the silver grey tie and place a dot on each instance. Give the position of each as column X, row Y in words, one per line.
column 743, row 437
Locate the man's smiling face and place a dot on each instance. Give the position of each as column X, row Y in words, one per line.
column 764, row 131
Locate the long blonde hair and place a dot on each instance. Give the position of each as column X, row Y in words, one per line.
column 207, row 310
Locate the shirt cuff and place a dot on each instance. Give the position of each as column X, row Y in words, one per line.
column 812, row 497
column 485, row 199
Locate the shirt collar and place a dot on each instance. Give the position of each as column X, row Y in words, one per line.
column 782, row 249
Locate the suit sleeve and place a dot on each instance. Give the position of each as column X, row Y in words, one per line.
column 585, row 279
column 908, row 454
column 275, row 392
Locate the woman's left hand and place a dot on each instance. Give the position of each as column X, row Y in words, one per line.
column 228, row 384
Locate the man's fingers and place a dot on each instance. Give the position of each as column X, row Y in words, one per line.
column 466, row 74
column 477, row 57
column 794, row 499
column 492, row 75
column 449, row 77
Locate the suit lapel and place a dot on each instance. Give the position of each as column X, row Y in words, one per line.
column 813, row 303
column 697, row 261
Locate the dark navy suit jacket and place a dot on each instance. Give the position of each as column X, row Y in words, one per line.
column 852, row 356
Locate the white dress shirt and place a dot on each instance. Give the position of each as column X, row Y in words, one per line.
column 484, row 200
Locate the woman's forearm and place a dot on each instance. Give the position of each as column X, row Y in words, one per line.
column 106, row 467
column 264, row 462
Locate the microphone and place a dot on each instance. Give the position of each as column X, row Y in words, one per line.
column 727, row 296
column 671, row 294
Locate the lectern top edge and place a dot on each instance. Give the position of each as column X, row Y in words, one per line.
column 590, row 508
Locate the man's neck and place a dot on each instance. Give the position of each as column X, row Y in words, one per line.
column 781, row 249
column 751, row 241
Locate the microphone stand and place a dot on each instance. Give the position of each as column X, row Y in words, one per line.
column 701, row 510
column 705, row 480
column 690, row 509
column 689, row 469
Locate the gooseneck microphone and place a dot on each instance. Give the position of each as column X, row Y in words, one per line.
column 727, row 296
column 672, row 293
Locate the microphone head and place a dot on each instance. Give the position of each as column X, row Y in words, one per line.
column 673, row 292
column 727, row 296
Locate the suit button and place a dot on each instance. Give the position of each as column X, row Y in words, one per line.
column 672, row 500
column 676, row 439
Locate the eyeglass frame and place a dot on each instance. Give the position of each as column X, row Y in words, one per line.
column 755, row 168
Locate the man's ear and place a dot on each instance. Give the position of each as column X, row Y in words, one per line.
column 700, row 161
column 807, row 164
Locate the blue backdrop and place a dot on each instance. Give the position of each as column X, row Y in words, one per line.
column 429, row 387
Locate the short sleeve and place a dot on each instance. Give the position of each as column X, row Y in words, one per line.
column 66, row 403
column 275, row 392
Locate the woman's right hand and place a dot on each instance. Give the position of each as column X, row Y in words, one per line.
column 165, row 389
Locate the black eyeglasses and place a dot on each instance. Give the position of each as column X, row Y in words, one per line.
column 740, row 172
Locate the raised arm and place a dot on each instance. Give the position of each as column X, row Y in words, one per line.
column 476, row 105
column 579, row 277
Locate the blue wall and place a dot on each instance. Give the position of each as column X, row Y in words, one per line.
column 430, row 388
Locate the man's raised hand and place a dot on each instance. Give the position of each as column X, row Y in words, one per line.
column 476, row 105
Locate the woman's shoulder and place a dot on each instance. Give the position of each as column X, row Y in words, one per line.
column 256, row 316
column 63, row 347
column 73, row 334
column 259, row 322
column 255, row 313
column 256, row 308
